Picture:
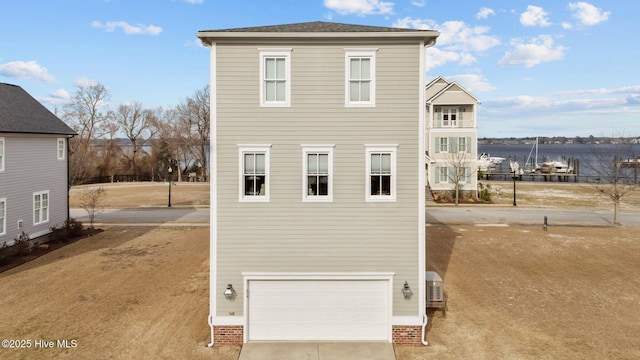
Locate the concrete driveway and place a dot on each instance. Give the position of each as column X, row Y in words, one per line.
column 317, row 351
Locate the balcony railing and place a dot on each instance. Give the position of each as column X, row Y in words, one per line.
column 454, row 123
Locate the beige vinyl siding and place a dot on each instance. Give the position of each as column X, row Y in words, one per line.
column 454, row 98
column 31, row 165
column 347, row 234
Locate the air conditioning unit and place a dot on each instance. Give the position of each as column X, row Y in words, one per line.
column 435, row 291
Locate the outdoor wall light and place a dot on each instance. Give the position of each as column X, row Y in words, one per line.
column 406, row 291
column 230, row 292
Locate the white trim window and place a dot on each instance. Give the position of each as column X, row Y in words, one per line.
column 381, row 173
column 317, row 177
column 360, row 77
column 442, row 174
column 62, row 148
column 1, row 154
column 275, row 77
column 40, row 207
column 442, row 145
column 254, row 173
column 3, row 216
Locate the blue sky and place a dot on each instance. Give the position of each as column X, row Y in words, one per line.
column 540, row 68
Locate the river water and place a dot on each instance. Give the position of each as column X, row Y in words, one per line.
column 587, row 155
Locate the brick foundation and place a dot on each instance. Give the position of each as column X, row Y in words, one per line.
column 401, row 335
column 407, row 335
column 227, row 335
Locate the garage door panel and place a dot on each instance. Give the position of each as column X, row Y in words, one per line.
column 318, row 310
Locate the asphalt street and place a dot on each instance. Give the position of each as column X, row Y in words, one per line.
column 434, row 215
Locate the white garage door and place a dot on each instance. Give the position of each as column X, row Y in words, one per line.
column 318, row 310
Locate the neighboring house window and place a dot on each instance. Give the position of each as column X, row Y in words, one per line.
column 442, row 144
column 442, row 175
column 381, row 173
column 254, row 172
column 61, row 148
column 1, row 154
column 318, row 172
column 453, row 144
column 275, row 77
column 360, row 70
column 464, row 144
column 449, row 116
column 40, row 207
column 3, row 216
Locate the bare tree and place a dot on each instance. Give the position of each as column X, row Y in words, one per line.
column 138, row 126
column 194, row 113
column 85, row 115
column 90, row 201
column 461, row 166
column 110, row 153
column 616, row 169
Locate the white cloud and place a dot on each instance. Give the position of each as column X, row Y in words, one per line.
column 194, row 43
column 26, row 70
column 457, row 42
column 61, row 94
column 420, row 3
column 194, row 1
column 359, row 7
column 484, row 13
column 567, row 25
column 128, row 29
column 588, row 14
column 472, row 82
column 538, row 50
column 534, row 16
column 84, row 82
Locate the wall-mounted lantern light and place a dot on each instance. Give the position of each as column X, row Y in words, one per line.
column 230, row 292
column 406, row 291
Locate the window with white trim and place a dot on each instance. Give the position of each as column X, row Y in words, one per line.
column 1, row 154
column 3, row 216
column 442, row 175
column 275, row 77
column 442, row 144
column 318, row 173
column 360, row 82
column 381, row 173
column 254, row 173
column 40, row 207
column 62, row 148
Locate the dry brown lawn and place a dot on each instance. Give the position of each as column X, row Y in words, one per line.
column 514, row 292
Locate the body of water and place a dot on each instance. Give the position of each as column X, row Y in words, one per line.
column 587, row 155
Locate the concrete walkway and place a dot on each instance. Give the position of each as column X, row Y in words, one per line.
column 317, row 351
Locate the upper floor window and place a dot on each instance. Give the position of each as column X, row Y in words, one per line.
column 449, row 117
column 360, row 70
column 381, row 173
column 40, row 207
column 275, row 77
column 1, row 154
column 254, row 172
column 62, row 148
column 453, row 144
column 318, row 173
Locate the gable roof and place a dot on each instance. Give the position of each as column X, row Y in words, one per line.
column 21, row 113
column 316, row 29
column 452, row 86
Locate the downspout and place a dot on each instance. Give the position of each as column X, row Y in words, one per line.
column 425, row 318
column 68, row 184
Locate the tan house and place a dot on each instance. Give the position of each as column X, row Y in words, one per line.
column 317, row 188
column 451, row 139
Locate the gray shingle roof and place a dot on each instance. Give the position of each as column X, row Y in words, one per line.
column 314, row 27
column 21, row 113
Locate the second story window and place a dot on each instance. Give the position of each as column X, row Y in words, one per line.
column 381, row 173
column 254, row 173
column 61, row 148
column 275, row 77
column 360, row 70
column 318, row 173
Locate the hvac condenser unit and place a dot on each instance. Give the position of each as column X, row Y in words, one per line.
column 435, row 292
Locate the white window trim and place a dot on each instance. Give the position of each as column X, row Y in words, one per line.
column 2, row 154
column 357, row 53
column 34, row 208
column 254, row 148
column 266, row 53
column 62, row 141
column 3, row 219
column 317, row 149
column 387, row 148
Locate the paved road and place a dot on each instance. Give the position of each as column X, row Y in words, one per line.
column 435, row 214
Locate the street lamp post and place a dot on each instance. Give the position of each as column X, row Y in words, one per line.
column 170, row 170
column 514, row 188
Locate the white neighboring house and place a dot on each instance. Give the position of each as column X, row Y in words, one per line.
column 33, row 166
column 451, row 138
